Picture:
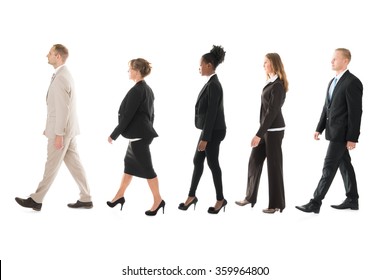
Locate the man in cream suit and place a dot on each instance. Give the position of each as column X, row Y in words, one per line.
column 61, row 130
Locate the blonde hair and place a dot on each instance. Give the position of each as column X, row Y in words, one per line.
column 345, row 52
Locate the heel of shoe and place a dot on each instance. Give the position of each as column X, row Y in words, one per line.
column 184, row 207
column 120, row 201
column 195, row 201
column 154, row 212
column 213, row 210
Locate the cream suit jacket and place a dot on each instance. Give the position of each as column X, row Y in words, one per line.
column 61, row 106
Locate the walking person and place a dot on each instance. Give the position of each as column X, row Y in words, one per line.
column 210, row 119
column 267, row 143
column 61, row 130
column 136, row 117
column 341, row 119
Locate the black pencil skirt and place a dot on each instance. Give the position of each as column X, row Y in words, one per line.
column 138, row 160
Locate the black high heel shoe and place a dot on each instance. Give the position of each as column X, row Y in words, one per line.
column 183, row 206
column 154, row 212
column 119, row 200
column 213, row 210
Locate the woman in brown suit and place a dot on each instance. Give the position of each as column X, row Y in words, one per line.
column 267, row 143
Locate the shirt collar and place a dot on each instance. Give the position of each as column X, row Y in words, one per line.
column 58, row 68
column 271, row 79
column 209, row 77
column 338, row 77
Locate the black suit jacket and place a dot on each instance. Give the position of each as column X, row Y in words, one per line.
column 136, row 113
column 209, row 111
column 341, row 116
column 272, row 100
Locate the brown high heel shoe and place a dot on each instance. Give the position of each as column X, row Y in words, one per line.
column 244, row 202
column 272, row 210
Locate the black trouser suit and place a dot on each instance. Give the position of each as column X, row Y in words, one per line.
column 211, row 153
column 270, row 148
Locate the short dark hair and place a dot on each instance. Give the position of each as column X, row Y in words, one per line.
column 62, row 51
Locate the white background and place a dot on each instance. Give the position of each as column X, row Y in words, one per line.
column 102, row 36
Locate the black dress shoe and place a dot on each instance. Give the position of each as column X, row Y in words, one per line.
column 348, row 203
column 29, row 203
column 311, row 207
column 80, row 204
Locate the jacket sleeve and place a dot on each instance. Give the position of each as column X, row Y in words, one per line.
column 62, row 100
column 277, row 97
column 322, row 122
column 214, row 96
column 130, row 104
column 354, row 95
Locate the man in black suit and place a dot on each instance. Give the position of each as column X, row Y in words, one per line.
column 340, row 118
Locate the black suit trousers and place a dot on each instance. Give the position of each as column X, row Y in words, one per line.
column 337, row 157
column 269, row 148
column 211, row 153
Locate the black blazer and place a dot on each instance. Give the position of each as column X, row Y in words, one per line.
column 209, row 112
column 341, row 116
column 136, row 113
column 272, row 100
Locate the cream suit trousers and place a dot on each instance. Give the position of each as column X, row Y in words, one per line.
column 55, row 157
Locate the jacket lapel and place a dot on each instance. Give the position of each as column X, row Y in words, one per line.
column 338, row 85
column 204, row 87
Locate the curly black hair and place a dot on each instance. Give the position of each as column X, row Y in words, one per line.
column 216, row 56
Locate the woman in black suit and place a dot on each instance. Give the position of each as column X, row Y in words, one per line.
column 210, row 118
column 136, row 116
column 267, row 143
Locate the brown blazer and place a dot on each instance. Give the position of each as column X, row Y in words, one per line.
column 272, row 100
